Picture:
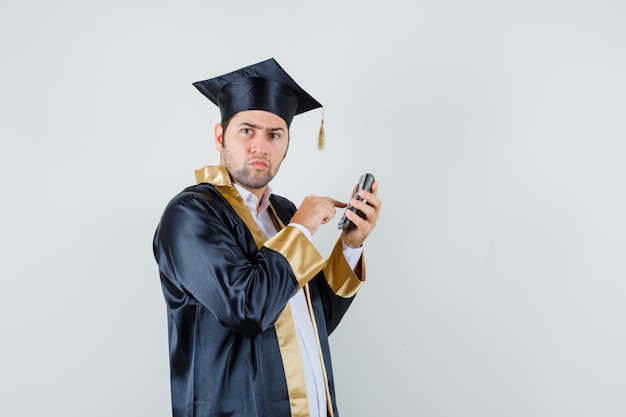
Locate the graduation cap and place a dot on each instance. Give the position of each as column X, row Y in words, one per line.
column 262, row 86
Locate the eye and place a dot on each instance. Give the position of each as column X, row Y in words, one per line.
column 246, row 130
column 275, row 135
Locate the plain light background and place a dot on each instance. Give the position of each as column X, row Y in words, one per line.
column 496, row 276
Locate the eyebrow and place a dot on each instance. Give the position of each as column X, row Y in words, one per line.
column 253, row 126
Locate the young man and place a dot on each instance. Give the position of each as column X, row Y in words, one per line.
column 250, row 301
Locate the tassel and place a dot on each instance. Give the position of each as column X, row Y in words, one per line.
column 322, row 135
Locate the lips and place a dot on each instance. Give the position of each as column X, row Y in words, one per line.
column 259, row 163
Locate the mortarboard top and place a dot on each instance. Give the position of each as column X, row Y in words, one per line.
column 262, row 86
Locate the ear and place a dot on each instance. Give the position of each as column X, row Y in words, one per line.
column 219, row 135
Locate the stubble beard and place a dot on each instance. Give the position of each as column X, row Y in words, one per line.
column 248, row 176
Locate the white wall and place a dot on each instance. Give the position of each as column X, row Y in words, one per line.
column 496, row 277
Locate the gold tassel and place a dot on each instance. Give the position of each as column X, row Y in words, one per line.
column 322, row 135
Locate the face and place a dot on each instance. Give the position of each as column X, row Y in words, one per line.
column 253, row 147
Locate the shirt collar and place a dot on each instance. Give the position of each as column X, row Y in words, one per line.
column 251, row 199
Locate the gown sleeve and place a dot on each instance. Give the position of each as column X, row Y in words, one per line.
column 206, row 251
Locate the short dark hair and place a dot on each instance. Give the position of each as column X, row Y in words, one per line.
column 225, row 124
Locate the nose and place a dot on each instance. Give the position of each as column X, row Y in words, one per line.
column 258, row 144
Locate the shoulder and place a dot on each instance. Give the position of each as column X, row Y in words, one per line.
column 195, row 208
column 278, row 200
column 204, row 191
column 200, row 199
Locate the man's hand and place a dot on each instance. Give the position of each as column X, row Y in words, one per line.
column 355, row 235
column 315, row 211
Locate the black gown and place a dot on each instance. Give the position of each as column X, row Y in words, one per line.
column 233, row 344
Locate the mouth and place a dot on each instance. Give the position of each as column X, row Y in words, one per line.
column 259, row 164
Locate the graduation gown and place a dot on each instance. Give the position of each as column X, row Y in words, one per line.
column 232, row 340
